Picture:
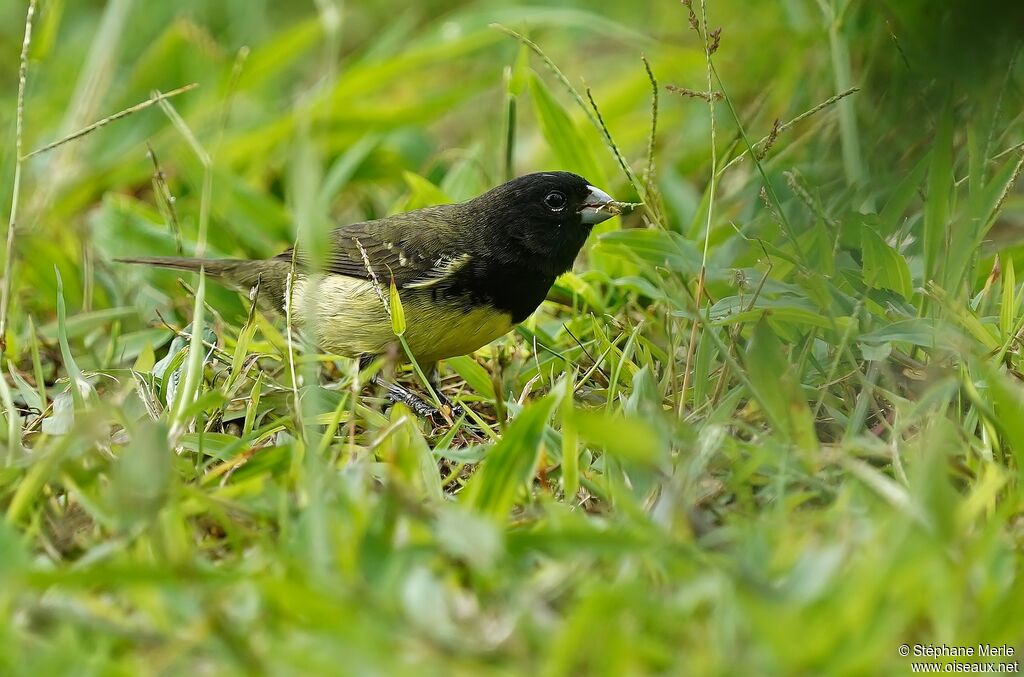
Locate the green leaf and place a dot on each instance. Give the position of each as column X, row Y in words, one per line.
column 282, row 50
column 579, row 286
column 12, row 431
column 467, row 536
column 520, row 71
column 211, row 399
column 37, row 364
column 571, row 149
column 31, row 396
column 137, row 343
column 570, row 439
column 1008, row 404
column 706, row 351
column 408, row 452
column 475, row 376
column 79, row 386
column 252, row 408
column 902, row 195
column 940, row 191
column 241, row 351
column 786, row 308
column 344, row 168
column 223, row 446
column 661, row 248
column 629, row 438
column 512, row 462
column 397, row 310
column 310, row 212
column 142, row 475
column 463, row 180
column 81, row 324
column 777, row 389
column 422, row 193
column 1008, row 303
column 918, row 332
column 884, row 267
column 765, row 365
column 191, row 386
column 1001, row 182
column 875, row 352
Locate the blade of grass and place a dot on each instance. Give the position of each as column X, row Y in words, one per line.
column 567, row 144
column 515, row 81
column 592, row 112
column 937, row 206
column 37, row 364
column 1008, row 304
column 12, row 222
column 761, row 145
column 512, row 462
column 155, row 98
column 252, row 408
column 848, row 133
column 79, row 386
column 570, row 440
column 189, row 389
column 691, row 348
column 11, row 414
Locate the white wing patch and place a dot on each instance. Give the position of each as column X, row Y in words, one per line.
column 444, row 267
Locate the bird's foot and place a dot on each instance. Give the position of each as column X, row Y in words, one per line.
column 397, row 393
column 417, row 404
column 449, row 408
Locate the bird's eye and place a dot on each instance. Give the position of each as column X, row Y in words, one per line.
column 555, row 201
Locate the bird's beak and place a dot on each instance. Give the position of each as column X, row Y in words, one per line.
column 597, row 207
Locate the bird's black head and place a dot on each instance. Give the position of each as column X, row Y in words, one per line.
column 545, row 217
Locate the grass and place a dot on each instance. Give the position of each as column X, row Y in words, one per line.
column 773, row 423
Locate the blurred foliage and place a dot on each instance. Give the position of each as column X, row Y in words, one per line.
column 794, row 468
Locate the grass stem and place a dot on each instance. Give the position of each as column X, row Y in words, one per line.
column 691, row 348
column 157, row 97
column 12, row 223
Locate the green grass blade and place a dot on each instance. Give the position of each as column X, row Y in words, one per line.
column 938, row 204
column 511, row 463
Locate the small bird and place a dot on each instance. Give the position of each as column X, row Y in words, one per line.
column 466, row 273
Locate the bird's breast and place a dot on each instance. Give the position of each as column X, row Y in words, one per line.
column 438, row 331
column 349, row 318
column 513, row 288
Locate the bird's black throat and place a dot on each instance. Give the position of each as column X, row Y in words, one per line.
column 516, row 288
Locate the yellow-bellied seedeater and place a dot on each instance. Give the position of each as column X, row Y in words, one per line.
column 466, row 273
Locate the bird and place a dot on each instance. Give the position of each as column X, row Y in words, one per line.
column 465, row 273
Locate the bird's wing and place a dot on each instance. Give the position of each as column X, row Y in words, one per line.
column 416, row 249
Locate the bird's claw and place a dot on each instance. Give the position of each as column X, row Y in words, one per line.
column 417, row 405
column 449, row 410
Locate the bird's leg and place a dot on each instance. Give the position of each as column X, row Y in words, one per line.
column 397, row 393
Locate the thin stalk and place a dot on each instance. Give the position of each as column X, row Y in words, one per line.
column 156, row 97
column 510, row 128
column 300, row 428
column 691, row 349
column 848, row 134
column 5, row 296
column 189, row 390
column 759, row 145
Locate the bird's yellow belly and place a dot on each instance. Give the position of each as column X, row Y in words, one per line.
column 434, row 333
column 351, row 320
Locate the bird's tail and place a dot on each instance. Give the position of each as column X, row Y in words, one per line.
column 214, row 267
column 238, row 274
